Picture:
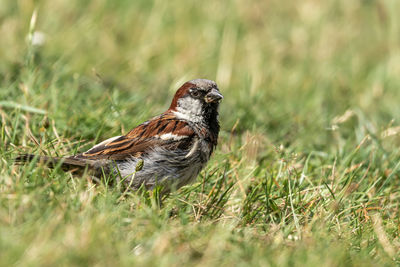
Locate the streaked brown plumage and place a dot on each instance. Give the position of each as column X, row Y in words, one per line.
column 174, row 146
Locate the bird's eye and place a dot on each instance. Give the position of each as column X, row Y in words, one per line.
column 195, row 93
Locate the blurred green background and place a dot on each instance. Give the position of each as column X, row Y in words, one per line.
column 307, row 167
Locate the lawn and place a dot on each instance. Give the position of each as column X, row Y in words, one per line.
column 307, row 168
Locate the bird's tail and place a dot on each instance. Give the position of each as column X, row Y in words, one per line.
column 67, row 164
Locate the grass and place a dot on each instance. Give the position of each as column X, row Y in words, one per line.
column 307, row 168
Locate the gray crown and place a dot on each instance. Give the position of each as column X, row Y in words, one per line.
column 204, row 83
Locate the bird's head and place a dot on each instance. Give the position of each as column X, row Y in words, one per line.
column 196, row 100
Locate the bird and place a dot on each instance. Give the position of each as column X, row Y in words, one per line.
column 168, row 150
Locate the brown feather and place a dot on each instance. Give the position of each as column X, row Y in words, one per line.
column 66, row 164
column 142, row 139
column 182, row 91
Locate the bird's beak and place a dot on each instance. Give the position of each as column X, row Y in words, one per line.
column 213, row 96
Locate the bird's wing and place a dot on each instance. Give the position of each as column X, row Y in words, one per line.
column 164, row 131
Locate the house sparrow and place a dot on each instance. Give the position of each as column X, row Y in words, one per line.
column 172, row 148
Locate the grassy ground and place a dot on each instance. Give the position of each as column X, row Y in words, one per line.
column 307, row 168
